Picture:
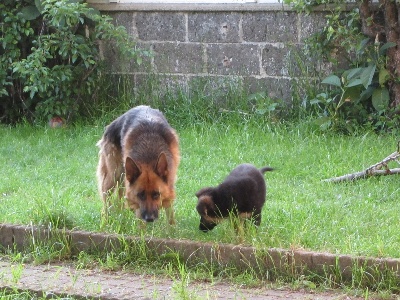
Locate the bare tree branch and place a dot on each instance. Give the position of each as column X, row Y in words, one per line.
column 374, row 170
column 362, row 175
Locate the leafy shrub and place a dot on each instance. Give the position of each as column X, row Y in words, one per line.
column 357, row 93
column 50, row 58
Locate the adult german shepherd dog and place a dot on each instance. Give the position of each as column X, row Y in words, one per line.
column 241, row 194
column 139, row 153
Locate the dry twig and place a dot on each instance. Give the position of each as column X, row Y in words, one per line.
column 373, row 170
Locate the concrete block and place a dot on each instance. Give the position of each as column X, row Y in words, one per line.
column 146, row 59
column 165, row 26
column 275, row 259
column 391, row 264
column 346, row 263
column 244, row 257
column 288, row 61
column 270, row 27
column 210, row 253
column 323, row 262
column 118, row 82
column 6, row 236
column 117, row 63
column 21, row 237
column 103, row 242
column 274, row 88
column 276, row 60
column 374, row 267
column 80, row 241
column 125, row 19
column 233, row 59
column 193, row 251
column 217, row 88
column 213, row 27
column 302, row 260
column 311, row 23
column 178, row 58
column 154, row 87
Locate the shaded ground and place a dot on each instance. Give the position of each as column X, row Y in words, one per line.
column 65, row 280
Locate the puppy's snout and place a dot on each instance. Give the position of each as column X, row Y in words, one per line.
column 203, row 228
column 206, row 226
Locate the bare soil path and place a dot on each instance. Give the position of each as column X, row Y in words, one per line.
column 65, row 280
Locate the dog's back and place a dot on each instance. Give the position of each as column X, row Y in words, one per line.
column 118, row 129
column 242, row 192
column 142, row 133
column 146, row 133
column 243, row 188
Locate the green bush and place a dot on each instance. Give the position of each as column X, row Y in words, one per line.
column 357, row 93
column 50, row 59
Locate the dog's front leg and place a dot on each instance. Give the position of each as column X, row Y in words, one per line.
column 169, row 211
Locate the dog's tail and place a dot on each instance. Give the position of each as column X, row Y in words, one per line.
column 266, row 169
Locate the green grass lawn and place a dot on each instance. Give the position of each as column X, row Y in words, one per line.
column 49, row 174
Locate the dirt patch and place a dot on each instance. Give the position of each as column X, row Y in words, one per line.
column 65, row 280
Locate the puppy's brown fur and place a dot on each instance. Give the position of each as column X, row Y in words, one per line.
column 242, row 193
column 139, row 151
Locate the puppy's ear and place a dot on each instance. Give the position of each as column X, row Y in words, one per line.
column 132, row 170
column 162, row 166
column 201, row 208
column 205, row 205
column 204, row 191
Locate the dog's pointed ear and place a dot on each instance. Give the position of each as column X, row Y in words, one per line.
column 132, row 171
column 162, row 166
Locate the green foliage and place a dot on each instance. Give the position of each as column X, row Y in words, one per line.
column 357, row 92
column 360, row 95
column 263, row 104
column 340, row 37
column 50, row 58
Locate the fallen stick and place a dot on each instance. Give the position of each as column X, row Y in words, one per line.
column 374, row 170
column 384, row 162
column 362, row 174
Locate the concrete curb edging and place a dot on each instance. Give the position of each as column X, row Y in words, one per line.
column 282, row 261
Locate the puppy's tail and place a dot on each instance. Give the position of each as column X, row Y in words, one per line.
column 266, row 169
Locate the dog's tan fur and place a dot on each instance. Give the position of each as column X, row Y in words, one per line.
column 139, row 154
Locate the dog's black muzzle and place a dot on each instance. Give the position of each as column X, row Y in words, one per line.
column 149, row 216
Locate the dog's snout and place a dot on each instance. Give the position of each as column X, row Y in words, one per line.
column 150, row 216
column 149, row 219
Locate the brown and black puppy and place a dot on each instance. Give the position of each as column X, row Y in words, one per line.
column 242, row 193
column 139, row 155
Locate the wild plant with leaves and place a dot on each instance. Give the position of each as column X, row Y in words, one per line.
column 365, row 86
column 50, row 57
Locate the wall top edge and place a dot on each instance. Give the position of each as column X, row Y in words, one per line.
column 202, row 7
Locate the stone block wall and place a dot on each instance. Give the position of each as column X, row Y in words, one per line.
column 256, row 45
